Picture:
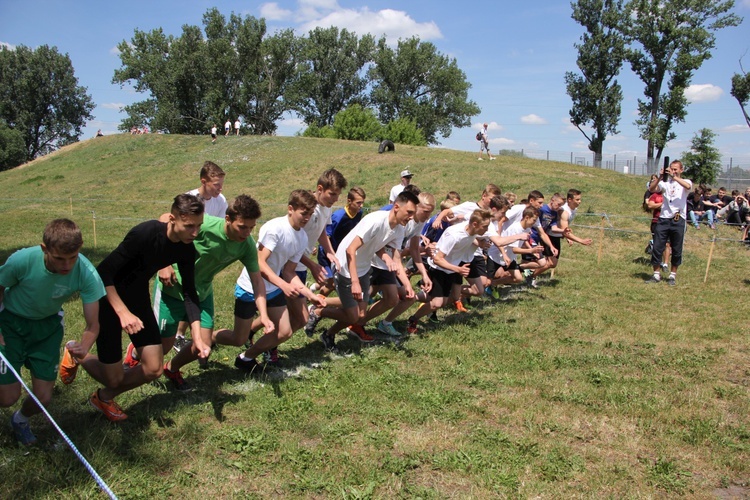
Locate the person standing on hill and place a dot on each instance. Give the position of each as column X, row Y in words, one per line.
column 227, row 128
column 237, row 126
column 213, row 134
column 484, row 143
column 672, row 219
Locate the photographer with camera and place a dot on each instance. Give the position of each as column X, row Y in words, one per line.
column 672, row 219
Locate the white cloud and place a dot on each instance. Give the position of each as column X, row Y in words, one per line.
column 394, row 24
column 114, row 51
column 703, row 93
column 113, row 105
column 291, row 122
column 502, row 141
column 746, row 3
column 272, row 12
column 7, row 46
column 733, row 129
column 533, row 119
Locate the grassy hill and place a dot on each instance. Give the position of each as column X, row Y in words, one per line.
column 594, row 385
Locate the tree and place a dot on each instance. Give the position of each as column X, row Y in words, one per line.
column 596, row 95
column 416, row 81
column 334, row 76
column 673, row 39
column 12, row 147
column 703, row 161
column 234, row 71
column 40, row 98
column 356, row 123
column 741, row 91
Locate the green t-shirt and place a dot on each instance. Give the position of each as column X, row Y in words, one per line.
column 215, row 252
column 33, row 292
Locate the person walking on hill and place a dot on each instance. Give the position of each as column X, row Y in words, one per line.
column 484, row 143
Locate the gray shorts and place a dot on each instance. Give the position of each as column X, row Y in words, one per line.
column 344, row 290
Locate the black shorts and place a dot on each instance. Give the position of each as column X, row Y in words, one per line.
column 555, row 240
column 478, row 267
column 442, row 282
column 493, row 266
column 109, row 341
column 382, row 277
column 246, row 310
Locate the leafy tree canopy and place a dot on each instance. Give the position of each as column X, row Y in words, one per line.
column 40, row 98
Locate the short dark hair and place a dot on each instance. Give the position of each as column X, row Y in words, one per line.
column 499, row 202
column 187, row 204
column 535, row 195
column 211, row 170
column 356, row 191
column 302, row 198
column 243, row 206
column 572, row 193
column 411, row 188
column 332, row 179
column 530, row 212
column 63, row 235
column 406, row 197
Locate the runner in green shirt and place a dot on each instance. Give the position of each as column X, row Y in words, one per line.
column 220, row 243
column 34, row 284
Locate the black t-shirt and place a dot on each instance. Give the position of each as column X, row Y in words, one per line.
column 144, row 251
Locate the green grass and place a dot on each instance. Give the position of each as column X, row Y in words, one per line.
column 595, row 385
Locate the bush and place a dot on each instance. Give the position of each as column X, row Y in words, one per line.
column 405, row 131
column 12, row 147
column 356, row 123
column 319, row 132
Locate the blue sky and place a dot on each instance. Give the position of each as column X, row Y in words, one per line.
column 514, row 54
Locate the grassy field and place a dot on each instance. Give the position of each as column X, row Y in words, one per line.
column 594, row 385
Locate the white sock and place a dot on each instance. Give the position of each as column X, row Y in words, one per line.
column 244, row 358
column 386, row 323
column 672, row 275
column 20, row 418
column 657, row 275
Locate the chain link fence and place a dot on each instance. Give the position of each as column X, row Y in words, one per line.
column 735, row 172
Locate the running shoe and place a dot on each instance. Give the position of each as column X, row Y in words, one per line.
column 130, row 360
column 388, row 329
column 180, row 343
column 460, row 307
column 22, row 431
column 433, row 317
column 329, row 343
column 358, row 332
column 412, row 326
column 177, row 380
column 652, row 280
column 68, row 368
column 671, row 281
column 246, row 365
column 271, row 356
column 312, row 321
column 110, row 409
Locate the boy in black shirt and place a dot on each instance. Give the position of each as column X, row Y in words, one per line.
column 148, row 247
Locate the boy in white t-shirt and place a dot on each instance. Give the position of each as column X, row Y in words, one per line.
column 372, row 236
column 398, row 297
column 451, row 263
column 500, row 268
column 212, row 184
column 281, row 243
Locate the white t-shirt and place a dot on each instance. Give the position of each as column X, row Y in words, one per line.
column 314, row 228
column 464, row 210
column 376, row 232
column 571, row 213
column 237, row 124
column 228, row 125
column 515, row 214
column 285, row 243
column 457, row 245
column 512, row 230
column 216, row 206
column 395, row 191
column 493, row 252
column 675, row 198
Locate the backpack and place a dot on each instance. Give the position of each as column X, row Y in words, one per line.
column 479, row 136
